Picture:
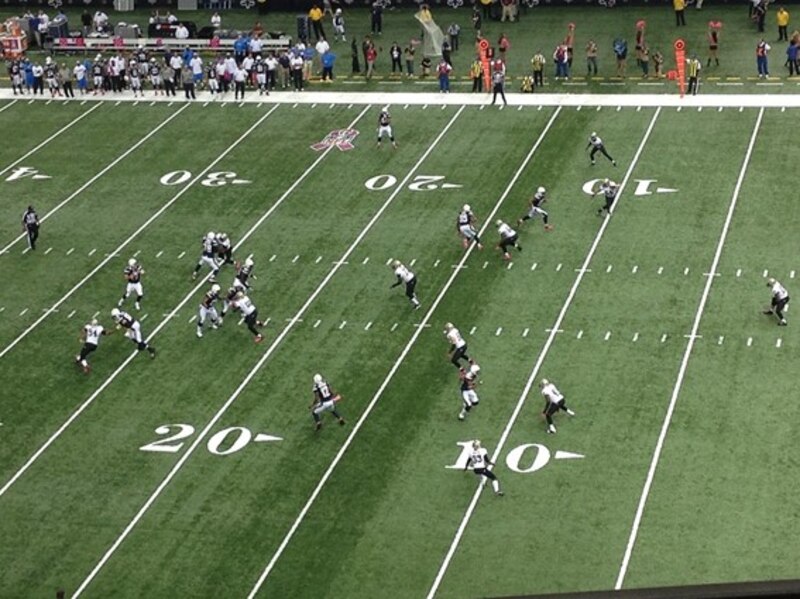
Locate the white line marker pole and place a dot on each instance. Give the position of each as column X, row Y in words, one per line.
column 281, row 548
column 637, row 520
column 201, row 436
column 539, row 361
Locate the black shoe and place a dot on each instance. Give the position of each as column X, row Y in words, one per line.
column 152, row 351
column 341, row 422
column 318, row 426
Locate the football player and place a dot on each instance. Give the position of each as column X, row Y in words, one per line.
column 222, row 245
column 90, row 335
column 779, row 301
column 536, row 209
column 597, row 146
column 385, row 127
column 508, row 238
column 135, row 79
column 243, row 304
column 227, row 302
column 244, row 272
column 133, row 275
column 208, row 309
column 553, row 402
column 466, row 225
column 324, row 401
column 480, row 462
column 155, row 77
column 469, row 398
column 409, row 278
column 134, row 332
column 609, row 189
column 458, row 347
column 207, row 256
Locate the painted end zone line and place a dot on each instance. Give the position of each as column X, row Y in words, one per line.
column 172, row 314
column 80, row 190
column 273, row 346
column 395, row 367
column 637, row 520
column 49, row 139
column 539, row 361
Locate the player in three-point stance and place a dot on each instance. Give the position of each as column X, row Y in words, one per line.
column 223, row 248
column 30, row 224
column 134, row 332
column 405, row 276
column 780, row 299
column 324, row 401
column 208, row 309
column 553, row 402
column 597, row 145
column 609, row 189
column 133, row 275
column 90, row 335
column 536, row 209
column 385, row 127
column 480, row 462
column 508, row 238
column 458, row 347
column 244, row 272
column 469, row 397
column 466, row 225
column 207, row 256
column 243, row 304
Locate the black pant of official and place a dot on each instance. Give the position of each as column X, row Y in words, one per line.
column 680, row 18
column 169, row 87
column 477, row 84
column 297, row 79
column 498, row 89
column 188, row 89
column 38, row 85
column 68, row 93
column 693, row 86
column 33, row 235
column 538, row 78
column 239, row 89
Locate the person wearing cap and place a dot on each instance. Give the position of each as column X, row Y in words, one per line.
column 779, row 300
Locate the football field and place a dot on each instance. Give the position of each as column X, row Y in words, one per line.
column 199, row 473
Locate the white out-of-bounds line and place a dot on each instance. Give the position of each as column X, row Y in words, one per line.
column 418, row 330
column 107, row 168
column 136, row 233
column 51, row 138
column 539, row 361
column 174, row 312
column 267, row 354
column 637, row 519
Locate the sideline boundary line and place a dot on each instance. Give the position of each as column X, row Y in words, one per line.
column 201, row 437
column 637, row 520
column 396, row 366
column 540, row 360
column 85, row 186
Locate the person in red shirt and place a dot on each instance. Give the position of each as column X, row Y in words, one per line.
column 444, row 76
column 371, row 56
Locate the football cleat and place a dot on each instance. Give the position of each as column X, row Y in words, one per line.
column 258, row 338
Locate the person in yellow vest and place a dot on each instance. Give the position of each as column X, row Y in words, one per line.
column 476, row 72
column 693, row 66
column 782, row 16
column 680, row 8
column 315, row 16
column 486, row 6
column 537, row 66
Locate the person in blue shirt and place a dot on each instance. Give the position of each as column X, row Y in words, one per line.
column 187, row 55
column 240, row 47
column 327, row 65
column 27, row 67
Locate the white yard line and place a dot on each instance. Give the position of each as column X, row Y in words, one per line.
column 267, row 354
column 318, row 489
column 49, row 139
column 171, row 315
column 136, row 233
column 7, row 106
column 83, row 187
column 637, row 520
column 539, row 361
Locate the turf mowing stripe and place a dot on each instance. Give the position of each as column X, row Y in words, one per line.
column 539, row 361
column 49, row 139
column 637, row 520
column 270, row 350
column 83, row 187
column 301, row 516
column 141, row 228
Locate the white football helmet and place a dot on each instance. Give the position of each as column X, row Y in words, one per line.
column 467, row 208
column 541, row 190
column 215, row 288
column 249, row 262
column 474, row 369
column 395, row 263
column 771, row 282
column 594, row 134
column 448, row 326
column 132, row 262
column 476, row 444
column 606, row 181
column 317, row 379
column 499, row 223
column 210, row 235
column 544, row 382
column 114, row 312
column 94, row 322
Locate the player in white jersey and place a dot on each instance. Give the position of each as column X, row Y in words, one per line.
column 466, row 224
column 224, row 248
column 609, row 189
column 135, row 79
column 90, row 335
column 597, row 146
column 536, row 209
column 480, row 462
column 338, row 25
column 325, row 399
column 404, row 275
column 508, row 238
column 469, row 397
column 133, row 276
column 779, row 300
column 458, row 346
column 385, row 127
column 243, row 304
column 134, row 332
column 208, row 309
column 207, row 256
column 553, row 402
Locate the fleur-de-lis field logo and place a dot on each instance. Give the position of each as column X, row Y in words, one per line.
column 55, row 3
column 247, row 4
column 455, row 3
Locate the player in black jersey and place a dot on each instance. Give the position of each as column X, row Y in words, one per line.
column 536, row 209
column 243, row 274
column 324, row 401
column 133, row 275
column 15, row 74
column 134, row 332
column 597, row 145
column 385, row 127
column 30, row 223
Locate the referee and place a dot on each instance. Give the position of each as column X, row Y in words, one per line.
column 498, row 83
column 30, row 224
